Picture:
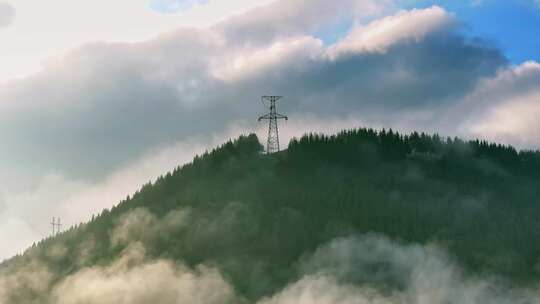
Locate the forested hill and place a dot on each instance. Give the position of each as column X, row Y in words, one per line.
column 261, row 224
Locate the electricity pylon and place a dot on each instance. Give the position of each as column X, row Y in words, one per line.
column 272, row 117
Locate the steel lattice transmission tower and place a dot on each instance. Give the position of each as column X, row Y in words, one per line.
column 272, row 117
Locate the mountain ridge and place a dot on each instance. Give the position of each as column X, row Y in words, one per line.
column 256, row 218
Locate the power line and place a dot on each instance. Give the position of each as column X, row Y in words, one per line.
column 272, row 117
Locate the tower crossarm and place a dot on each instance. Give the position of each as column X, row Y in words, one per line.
column 279, row 116
column 265, row 117
column 274, row 116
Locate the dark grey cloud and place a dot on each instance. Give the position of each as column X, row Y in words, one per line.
column 104, row 105
column 7, row 14
column 107, row 104
column 435, row 72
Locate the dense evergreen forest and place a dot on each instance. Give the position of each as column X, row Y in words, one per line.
column 255, row 216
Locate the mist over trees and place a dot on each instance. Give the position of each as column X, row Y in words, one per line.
column 359, row 214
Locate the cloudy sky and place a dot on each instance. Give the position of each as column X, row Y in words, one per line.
column 98, row 97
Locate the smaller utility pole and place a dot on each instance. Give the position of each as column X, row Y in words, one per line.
column 53, row 224
column 56, row 226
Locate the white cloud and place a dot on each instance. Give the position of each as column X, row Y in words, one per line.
column 504, row 108
column 25, row 282
column 373, row 269
column 16, row 235
column 251, row 61
column 130, row 278
column 514, row 122
column 158, row 281
column 26, row 214
column 140, row 225
column 47, row 30
column 380, row 34
column 324, row 290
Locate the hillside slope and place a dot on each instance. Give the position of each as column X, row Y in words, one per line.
column 359, row 215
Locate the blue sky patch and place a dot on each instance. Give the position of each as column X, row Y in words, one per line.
column 174, row 6
column 511, row 25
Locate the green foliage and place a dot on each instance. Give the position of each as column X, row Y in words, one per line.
column 254, row 216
